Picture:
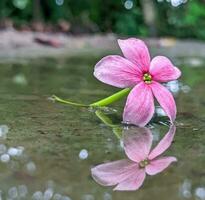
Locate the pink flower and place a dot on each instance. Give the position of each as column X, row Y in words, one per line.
column 144, row 76
column 129, row 174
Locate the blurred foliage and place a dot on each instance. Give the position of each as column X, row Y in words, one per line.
column 185, row 21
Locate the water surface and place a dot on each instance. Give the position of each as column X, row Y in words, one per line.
column 48, row 148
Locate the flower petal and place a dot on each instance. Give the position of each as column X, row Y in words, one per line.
column 165, row 99
column 136, row 51
column 164, row 143
column 158, row 165
column 139, row 107
column 112, row 173
column 133, row 182
column 117, row 71
column 137, row 143
column 162, row 69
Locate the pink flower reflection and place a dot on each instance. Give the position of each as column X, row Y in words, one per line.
column 129, row 174
column 136, row 70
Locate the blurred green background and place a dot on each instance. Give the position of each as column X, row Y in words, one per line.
column 125, row 17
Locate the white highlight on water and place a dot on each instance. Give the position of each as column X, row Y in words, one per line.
column 83, row 154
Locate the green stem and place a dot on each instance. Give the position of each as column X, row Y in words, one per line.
column 113, row 98
column 101, row 103
column 118, row 132
column 117, row 129
column 105, row 119
column 55, row 98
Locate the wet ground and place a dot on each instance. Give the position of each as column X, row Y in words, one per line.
column 47, row 149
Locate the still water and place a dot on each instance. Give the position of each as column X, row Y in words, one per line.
column 47, row 149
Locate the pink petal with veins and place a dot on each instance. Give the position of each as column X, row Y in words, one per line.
column 117, row 71
column 165, row 99
column 158, row 165
column 133, row 182
column 137, row 144
column 136, row 51
column 164, row 143
column 112, row 173
column 162, row 69
column 139, row 107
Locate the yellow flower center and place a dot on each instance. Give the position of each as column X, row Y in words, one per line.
column 147, row 78
column 144, row 163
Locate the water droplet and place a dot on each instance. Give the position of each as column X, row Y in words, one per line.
column 173, row 86
column 185, row 88
column 107, row 196
column 48, row 194
column 37, row 195
column 176, row 3
column 57, row 196
column 160, row 112
column 187, row 194
column 4, row 129
column 20, row 79
column 128, row 4
column 194, row 62
column 200, row 192
column 23, row 191
column 12, row 151
column 20, row 150
column 83, row 154
column 5, row 158
column 20, row 4
column 13, row 192
column 185, row 189
column 31, row 167
column 59, row 2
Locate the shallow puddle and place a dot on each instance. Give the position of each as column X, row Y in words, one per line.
column 47, row 149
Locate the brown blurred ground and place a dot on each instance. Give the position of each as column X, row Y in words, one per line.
column 24, row 44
